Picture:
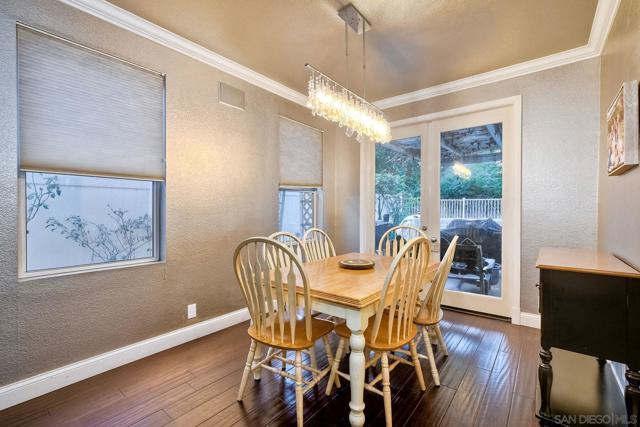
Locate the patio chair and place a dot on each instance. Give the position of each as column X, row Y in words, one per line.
column 469, row 261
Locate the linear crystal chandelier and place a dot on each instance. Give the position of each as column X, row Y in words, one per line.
column 334, row 102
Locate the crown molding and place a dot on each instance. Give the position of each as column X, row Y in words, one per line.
column 474, row 108
column 517, row 70
column 124, row 19
column 605, row 14
column 603, row 20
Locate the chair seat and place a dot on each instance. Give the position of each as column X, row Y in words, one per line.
column 319, row 328
column 425, row 318
column 381, row 343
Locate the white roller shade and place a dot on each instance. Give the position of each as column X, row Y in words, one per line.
column 85, row 112
column 300, row 154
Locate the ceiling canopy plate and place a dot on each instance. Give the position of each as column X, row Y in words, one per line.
column 354, row 19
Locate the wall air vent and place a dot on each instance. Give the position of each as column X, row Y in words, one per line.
column 231, row 96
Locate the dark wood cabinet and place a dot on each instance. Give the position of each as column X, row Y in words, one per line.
column 589, row 304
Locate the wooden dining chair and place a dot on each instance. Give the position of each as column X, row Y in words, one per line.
column 268, row 274
column 291, row 241
column 318, row 245
column 393, row 325
column 430, row 313
column 296, row 245
column 396, row 237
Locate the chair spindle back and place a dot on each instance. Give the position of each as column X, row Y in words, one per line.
column 291, row 241
column 407, row 274
column 318, row 245
column 267, row 272
column 396, row 237
column 431, row 302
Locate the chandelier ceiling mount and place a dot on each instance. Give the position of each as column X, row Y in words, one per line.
column 334, row 102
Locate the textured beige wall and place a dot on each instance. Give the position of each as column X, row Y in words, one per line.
column 560, row 110
column 619, row 196
column 222, row 182
column 347, row 209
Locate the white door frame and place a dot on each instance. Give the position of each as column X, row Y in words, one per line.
column 367, row 187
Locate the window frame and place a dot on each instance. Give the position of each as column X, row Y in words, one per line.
column 159, row 234
column 318, row 202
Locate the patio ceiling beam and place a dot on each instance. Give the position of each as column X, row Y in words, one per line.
column 497, row 136
column 473, row 158
column 449, row 148
column 402, row 149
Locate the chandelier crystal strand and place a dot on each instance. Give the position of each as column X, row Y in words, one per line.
column 332, row 101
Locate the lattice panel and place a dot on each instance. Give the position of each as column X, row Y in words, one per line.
column 307, row 213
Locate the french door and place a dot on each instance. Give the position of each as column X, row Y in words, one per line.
column 468, row 164
column 473, row 173
column 399, row 181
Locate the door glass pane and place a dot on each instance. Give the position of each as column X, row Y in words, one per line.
column 471, row 207
column 397, row 184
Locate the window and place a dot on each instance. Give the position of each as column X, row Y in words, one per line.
column 300, row 196
column 92, row 158
column 298, row 209
column 74, row 221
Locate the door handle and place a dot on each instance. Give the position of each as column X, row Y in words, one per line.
column 424, row 228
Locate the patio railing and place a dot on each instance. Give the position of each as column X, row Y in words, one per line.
column 470, row 208
column 455, row 208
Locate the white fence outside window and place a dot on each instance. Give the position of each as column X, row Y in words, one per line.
column 456, row 208
column 470, row 208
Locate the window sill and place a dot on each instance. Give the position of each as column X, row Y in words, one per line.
column 72, row 271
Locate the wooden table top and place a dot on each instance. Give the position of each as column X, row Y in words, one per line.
column 355, row 288
column 584, row 261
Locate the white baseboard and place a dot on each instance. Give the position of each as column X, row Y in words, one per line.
column 29, row 388
column 530, row 319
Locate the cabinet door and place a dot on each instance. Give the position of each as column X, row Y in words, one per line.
column 588, row 313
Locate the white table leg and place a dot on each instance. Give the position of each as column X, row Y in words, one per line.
column 357, row 323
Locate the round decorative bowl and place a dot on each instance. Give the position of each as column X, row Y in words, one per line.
column 357, row 264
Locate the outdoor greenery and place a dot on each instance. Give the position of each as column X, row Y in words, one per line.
column 485, row 182
column 117, row 242
column 397, row 180
column 38, row 195
column 398, row 183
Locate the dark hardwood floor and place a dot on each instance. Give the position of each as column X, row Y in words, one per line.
column 489, row 380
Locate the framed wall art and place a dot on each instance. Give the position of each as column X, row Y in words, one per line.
column 622, row 130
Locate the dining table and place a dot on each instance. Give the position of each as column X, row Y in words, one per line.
column 352, row 295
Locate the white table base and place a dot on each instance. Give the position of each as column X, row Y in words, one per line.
column 357, row 321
